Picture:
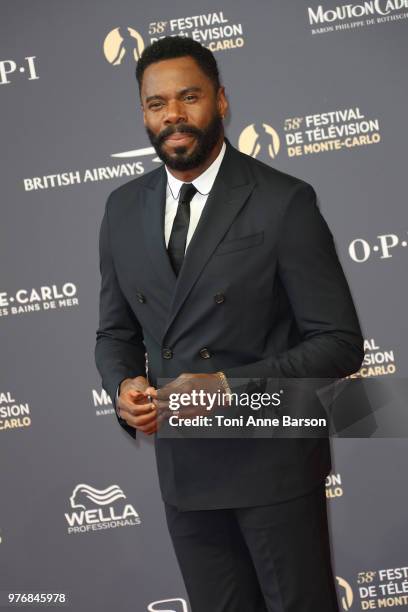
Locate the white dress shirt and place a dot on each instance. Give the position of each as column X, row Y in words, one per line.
column 203, row 184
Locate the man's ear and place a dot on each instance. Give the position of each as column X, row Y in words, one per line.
column 143, row 113
column 141, row 107
column 222, row 101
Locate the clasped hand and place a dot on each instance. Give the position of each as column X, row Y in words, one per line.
column 144, row 407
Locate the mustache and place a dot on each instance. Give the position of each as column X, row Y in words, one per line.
column 181, row 129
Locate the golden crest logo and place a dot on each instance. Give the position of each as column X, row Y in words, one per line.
column 123, row 44
column 345, row 593
column 259, row 140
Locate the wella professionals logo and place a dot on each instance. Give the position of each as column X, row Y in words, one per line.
column 259, row 140
column 96, row 509
column 123, row 44
column 168, row 605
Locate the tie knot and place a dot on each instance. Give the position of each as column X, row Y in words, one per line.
column 187, row 192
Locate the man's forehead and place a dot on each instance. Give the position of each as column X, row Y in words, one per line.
column 173, row 63
column 177, row 73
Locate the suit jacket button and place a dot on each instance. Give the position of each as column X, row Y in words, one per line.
column 205, row 353
column 219, row 298
column 167, row 353
column 140, row 298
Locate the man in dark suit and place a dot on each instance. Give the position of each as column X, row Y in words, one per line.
column 216, row 267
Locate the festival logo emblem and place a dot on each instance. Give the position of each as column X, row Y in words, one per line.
column 123, row 45
column 259, row 140
column 346, row 593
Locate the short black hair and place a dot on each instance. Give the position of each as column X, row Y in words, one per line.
column 170, row 47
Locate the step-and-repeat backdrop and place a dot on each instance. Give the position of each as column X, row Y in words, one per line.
column 318, row 90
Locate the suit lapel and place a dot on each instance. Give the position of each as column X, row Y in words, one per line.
column 230, row 190
column 154, row 204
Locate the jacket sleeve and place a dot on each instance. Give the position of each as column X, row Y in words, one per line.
column 119, row 349
column 331, row 340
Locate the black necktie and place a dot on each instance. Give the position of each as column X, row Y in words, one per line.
column 178, row 236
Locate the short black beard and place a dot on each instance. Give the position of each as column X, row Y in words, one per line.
column 205, row 142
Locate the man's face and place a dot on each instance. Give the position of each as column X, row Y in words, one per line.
column 182, row 112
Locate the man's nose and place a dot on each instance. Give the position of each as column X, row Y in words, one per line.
column 175, row 112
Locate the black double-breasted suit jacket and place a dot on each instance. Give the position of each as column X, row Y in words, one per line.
column 261, row 293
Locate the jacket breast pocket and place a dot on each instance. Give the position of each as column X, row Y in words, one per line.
column 238, row 244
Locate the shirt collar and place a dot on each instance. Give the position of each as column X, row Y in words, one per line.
column 202, row 183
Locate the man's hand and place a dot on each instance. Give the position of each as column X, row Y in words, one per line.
column 135, row 406
column 209, row 384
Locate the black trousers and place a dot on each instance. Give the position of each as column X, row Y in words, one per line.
column 259, row 559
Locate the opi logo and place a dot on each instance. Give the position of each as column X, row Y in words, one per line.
column 10, row 67
column 97, row 509
column 360, row 250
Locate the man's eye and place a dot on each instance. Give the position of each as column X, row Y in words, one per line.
column 155, row 105
column 190, row 98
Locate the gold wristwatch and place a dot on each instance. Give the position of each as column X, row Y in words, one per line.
column 224, row 382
